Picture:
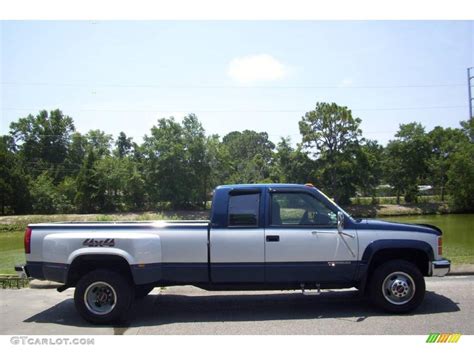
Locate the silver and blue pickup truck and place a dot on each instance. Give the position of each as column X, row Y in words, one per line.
column 259, row 237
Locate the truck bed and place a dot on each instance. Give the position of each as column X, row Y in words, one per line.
column 167, row 250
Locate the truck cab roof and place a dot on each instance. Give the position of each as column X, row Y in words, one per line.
column 268, row 185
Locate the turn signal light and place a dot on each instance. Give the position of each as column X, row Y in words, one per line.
column 440, row 245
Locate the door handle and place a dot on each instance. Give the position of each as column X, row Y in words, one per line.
column 273, row 238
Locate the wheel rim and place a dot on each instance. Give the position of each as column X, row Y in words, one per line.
column 398, row 288
column 100, row 298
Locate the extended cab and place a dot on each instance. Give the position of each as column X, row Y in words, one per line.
column 262, row 236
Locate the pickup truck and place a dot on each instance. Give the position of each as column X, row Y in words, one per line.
column 259, row 237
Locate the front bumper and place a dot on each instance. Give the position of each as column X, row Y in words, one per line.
column 440, row 267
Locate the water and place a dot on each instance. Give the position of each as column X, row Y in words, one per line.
column 458, row 233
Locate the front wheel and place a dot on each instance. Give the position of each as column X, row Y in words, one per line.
column 397, row 286
column 103, row 296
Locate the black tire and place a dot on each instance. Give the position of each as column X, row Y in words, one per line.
column 141, row 291
column 113, row 289
column 391, row 286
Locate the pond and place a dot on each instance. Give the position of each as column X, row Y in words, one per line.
column 458, row 233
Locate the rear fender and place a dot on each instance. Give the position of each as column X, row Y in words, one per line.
column 135, row 248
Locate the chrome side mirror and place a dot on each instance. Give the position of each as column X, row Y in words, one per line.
column 340, row 221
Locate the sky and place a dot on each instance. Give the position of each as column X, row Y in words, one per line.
column 236, row 75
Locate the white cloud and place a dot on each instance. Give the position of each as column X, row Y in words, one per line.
column 256, row 68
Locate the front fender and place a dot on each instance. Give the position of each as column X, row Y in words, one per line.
column 384, row 244
column 387, row 244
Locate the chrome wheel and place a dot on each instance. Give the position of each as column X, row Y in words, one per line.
column 398, row 288
column 100, row 298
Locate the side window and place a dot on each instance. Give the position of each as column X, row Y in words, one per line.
column 300, row 209
column 243, row 210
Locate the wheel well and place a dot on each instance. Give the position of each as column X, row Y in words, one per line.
column 415, row 256
column 84, row 264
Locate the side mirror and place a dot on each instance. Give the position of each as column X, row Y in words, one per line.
column 340, row 221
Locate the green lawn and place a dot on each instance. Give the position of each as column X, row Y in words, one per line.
column 11, row 251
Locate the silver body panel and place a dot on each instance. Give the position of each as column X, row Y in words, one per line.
column 310, row 245
column 236, row 254
column 175, row 245
column 237, row 245
column 157, row 244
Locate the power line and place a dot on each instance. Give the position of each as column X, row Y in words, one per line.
column 238, row 110
column 157, row 86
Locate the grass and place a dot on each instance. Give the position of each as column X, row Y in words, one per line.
column 11, row 251
column 392, row 200
column 458, row 255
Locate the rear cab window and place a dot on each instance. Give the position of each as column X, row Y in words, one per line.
column 244, row 209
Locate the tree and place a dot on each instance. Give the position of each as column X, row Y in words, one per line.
column 43, row 140
column 198, row 165
column 48, row 167
column 111, row 177
column 123, row 145
column 99, row 142
column 219, row 161
column 461, row 178
column 67, row 191
column 87, row 197
column 392, row 163
column 167, row 172
column 134, row 188
column 468, row 128
column 76, row 153
column 333, row 135
column 406, row 162
column 444, row 142
column 369, row 169
column 14, row 192
column 250, row 155
column 292, row 165
column 44, row 195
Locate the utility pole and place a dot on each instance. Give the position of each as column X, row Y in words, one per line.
column 469, row 78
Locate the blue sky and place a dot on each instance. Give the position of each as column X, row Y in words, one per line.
column 262, row 75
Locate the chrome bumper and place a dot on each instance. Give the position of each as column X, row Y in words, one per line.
column 440, row 267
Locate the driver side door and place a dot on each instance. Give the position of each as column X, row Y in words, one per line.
column 302, row 243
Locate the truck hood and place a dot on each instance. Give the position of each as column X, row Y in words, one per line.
column 374, row 224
